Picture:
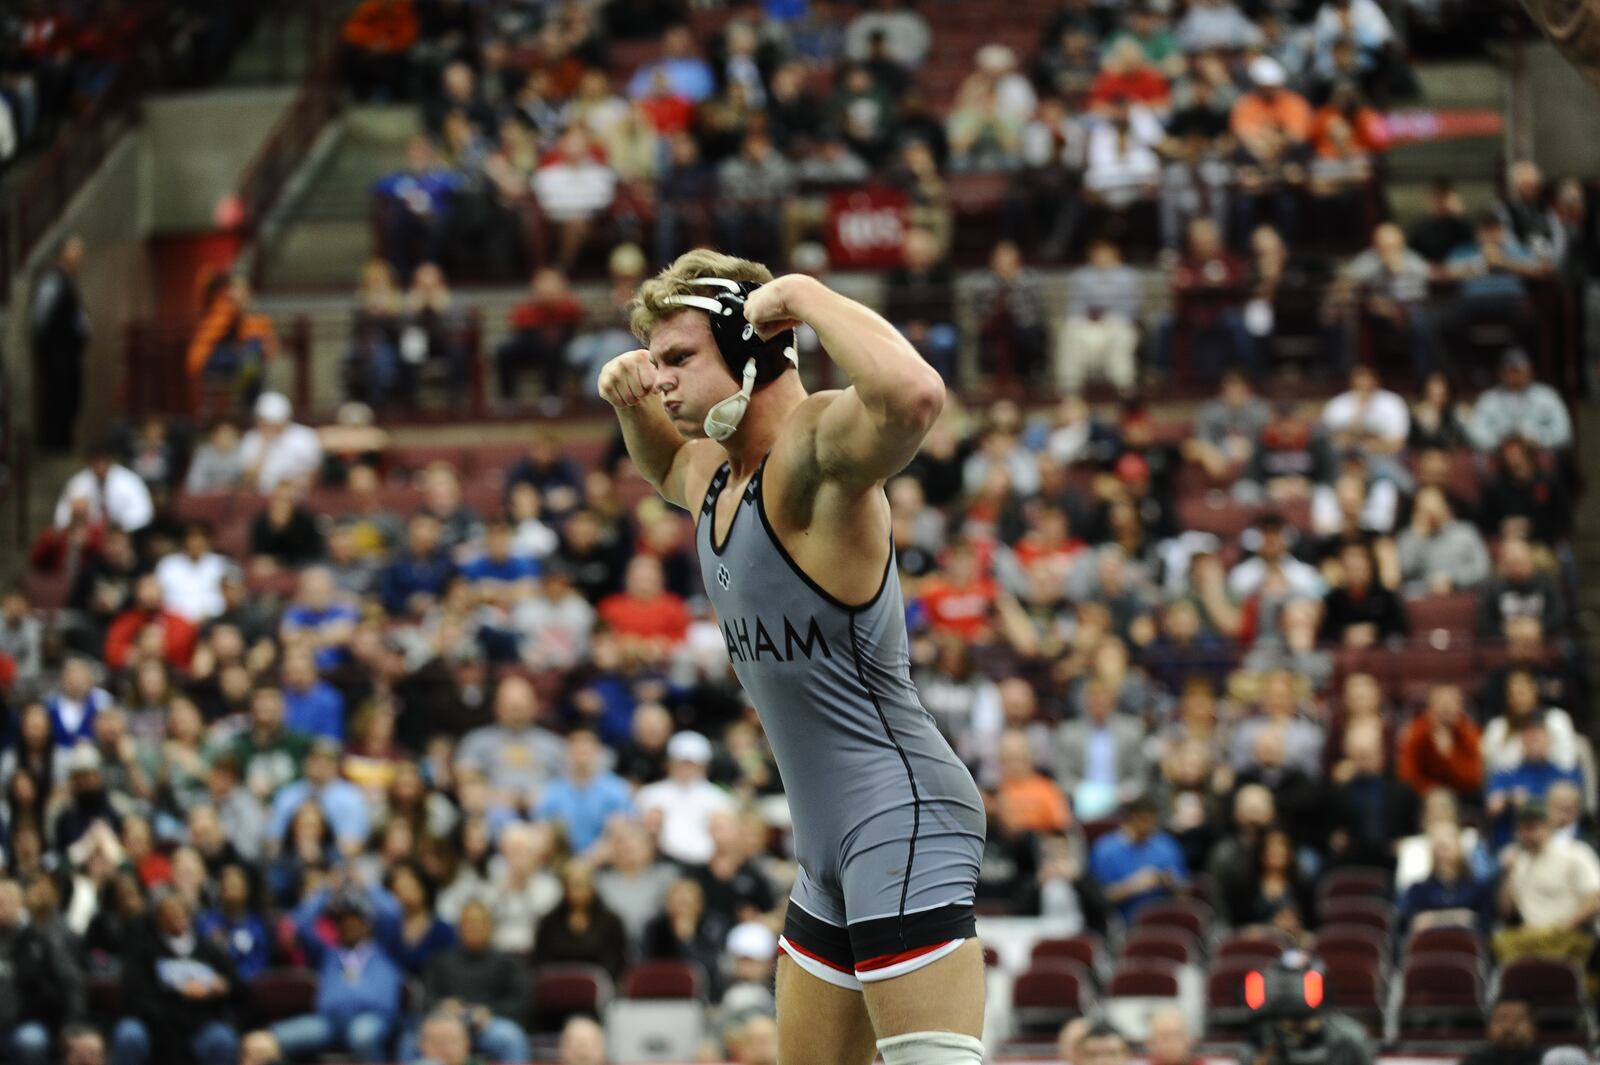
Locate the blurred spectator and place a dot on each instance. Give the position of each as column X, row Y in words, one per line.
column 129, row 629
column 1441, row 747
column 1270, row 107
column 1216, row 25
column 235, row 925
column 679, row 808
column 1521, row 499
column 1009, row 304
column 1520, row 406
column 218, row 463
column 1519, row 588
column 1360, row 611
column 583, row 1041
column 180, row 993
column 581, row 930
column 1101, row 333
column 681, row 931
column 920, row 302
column 587, row 798
column 1391, row 289
column 1444, row 228
column 1207, row 285
column 376, row 39
column 905, row 33
column 1438, row 551
column 42, row 986
column 687, row 75
column 1032, row 801
column 1138, row 863
column 1128, row 79
column 1525, row 212
column 1438, row 420
column 115, row 494
column 753, row 187
column 279, row 450
column 232, row 344
column 431, row 332
column 358, row 985
column 484, row 987
column 58, row 335
column 634, row 883
column 1451, row 894
column 573, row 187
column 1511, row 1033
column 1514, row 789
column 285, row 531
column 21, row 636
column 414, row 207
column 1100, row 757
column 191, row 580
column 372, row 364
column 411, row 583
column 1492, row 270
column 863, row 113
column 541, row 328
column 1169, row 1041
column 1227, row 427
column 518, row 757
column 1553, row 884
column 1370, row 421
column 1372, row 810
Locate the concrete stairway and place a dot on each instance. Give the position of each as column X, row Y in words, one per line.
column 1470, row 162
column 328, row 234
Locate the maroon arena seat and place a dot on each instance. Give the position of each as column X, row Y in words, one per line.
column 1246, row 947
column 1374, row 913
column 1226, row 1013
column 278, row 994
column 1190, row 915
column 1359, row 882
column 664, row 979
column 1445, row 941
column 1456, row 612
column 1051, row 993
column 562, row 991
column 1162, row 943
column 1440, row 991
column 1557, row 993
column 1143, row 978
column 1084, row 949
column 1357, row 989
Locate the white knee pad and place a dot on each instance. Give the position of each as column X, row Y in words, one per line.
column 931, row 1048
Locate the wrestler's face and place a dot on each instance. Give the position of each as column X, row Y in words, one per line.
column 692, row 376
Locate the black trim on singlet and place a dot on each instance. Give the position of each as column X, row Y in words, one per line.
column 783, row 552
column 815, row 936
column 925, row 928
column 719, row 481
column 911, row 778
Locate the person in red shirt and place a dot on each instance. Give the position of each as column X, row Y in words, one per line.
column 961, row 601
column 1128, row 75
column 541, row 328
column 649, row 619
column 1441, row 748
column 1208, row 286
column 178, row 635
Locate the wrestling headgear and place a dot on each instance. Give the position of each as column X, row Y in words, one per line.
column 753, row 360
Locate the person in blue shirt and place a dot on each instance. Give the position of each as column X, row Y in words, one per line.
column 310, row 704
column 687, row 74
column 1529, row 781
column 318, row 613
column 235, row 926
column 341, row 801
column 415, row 206
column 358, row 984
column 1138, row 863
column 587, row 797
column 75, row 704
column 497, row 575
column 418, row 576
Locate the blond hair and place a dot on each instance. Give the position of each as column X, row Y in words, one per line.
column 651, row 307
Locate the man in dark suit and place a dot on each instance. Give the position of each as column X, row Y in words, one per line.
column 59, row 333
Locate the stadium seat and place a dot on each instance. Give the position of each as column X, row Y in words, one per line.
column 278, row 994
column 47, row 591
column 1361, row 882
column 1093, row 830
column 664, row 979
column 1444, row 941
column 1441, row 995
column 1161, row 943
column 655, row 1029
column 562, row 991
column 1374, row 913
column 1050, row 993
column 105, row 997
column 1357, row 989
column 1084, row 949
column 1351, row 941
column 1557, row 993
column 1137, row 989
column 1190, row 915
column 1226, row 1013
column 1244, row 947
column 1455, row 613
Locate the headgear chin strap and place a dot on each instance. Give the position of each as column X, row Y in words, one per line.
column 754, row 360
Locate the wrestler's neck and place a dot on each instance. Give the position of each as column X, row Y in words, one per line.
column 770, row 407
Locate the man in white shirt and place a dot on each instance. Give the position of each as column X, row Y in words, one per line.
column 1273, row 556
column 116, row 495
column 191, row 580
column 1367, row 418
column 682, row 804
column 278, row 449
column 1520, row 406
column 1552, row 882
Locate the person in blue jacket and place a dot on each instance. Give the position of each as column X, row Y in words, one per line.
column 235, row 925
column 358, row 985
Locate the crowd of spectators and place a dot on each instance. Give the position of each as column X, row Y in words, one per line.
column 548, row 127
column 429, row 743
column 57, row 58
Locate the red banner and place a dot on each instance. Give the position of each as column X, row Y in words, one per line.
column 866, row 227
column 1417, row 125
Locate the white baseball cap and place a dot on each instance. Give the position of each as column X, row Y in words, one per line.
column 689, row 747
column 273, row 407
column 752, row 940
column 1267, row 72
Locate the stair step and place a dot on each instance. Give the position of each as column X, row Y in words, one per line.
column 1462, row 83
column 318, row 253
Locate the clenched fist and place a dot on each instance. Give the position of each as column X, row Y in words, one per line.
column 628, row 380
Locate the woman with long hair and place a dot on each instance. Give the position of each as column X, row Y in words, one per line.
column 409, row 929
column 581, row 929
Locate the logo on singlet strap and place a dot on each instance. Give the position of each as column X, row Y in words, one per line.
column 724, row 578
